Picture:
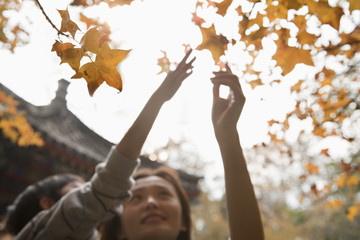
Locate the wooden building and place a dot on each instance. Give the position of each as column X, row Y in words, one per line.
column 70, row 146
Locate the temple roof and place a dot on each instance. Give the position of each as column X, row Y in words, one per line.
column 60, row 126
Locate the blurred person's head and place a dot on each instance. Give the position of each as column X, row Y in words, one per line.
column 158, row 209
column 37, row 197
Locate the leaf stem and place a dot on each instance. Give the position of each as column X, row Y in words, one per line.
column 48, row 19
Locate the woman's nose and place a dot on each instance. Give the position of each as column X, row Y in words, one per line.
column 151, row 202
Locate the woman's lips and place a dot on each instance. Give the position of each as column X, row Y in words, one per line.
column 154, row 217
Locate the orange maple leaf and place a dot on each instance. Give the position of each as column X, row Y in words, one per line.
column 216, row 44
column 93, row 39
column 325, row 13
column 72, row 56
column 354, row 5
column 92, row 75
column 89, row 21
column 164, row 63
column 197, row 20
column 312, row 168
column 107, row 60
column 297, row 86
column 223, row 7
column 255, row 83
column 285, row 57
column 66, row 24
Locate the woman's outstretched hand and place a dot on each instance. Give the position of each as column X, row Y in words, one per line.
column 175, row 78
column 226, row 112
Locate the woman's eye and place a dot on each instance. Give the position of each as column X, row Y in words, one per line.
column 164, row 194
column 135, row 197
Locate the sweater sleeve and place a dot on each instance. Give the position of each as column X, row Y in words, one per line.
column 77, row 214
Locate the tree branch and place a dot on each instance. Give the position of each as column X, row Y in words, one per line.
column 48, row 19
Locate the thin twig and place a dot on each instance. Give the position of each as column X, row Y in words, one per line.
column 48, row 19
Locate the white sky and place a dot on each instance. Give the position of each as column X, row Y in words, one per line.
column 146, row 27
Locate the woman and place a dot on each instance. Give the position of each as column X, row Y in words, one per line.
column 158, row 208
column 78, row 213
column 37, row 197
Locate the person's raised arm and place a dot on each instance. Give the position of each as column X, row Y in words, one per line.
column 131, row 144
column 243, row 211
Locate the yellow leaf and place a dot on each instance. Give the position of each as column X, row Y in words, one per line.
column 223, row 7
column 353, row 180
column 297, row 86
column 285, row 57
column 72, row 56
column 216, row 44
column 93, row 40
column 111, row 57
column 106, row 60
column 325, row 13
column 354, row 5
column 334, row 204
column 312, row 168
column 91, row 74
column 66, row 24
column 352, row 211
column 255, row 83
column 164, row 63
column 340, row 181
column 59, row 48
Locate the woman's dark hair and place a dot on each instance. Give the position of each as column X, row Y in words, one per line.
column 27, row 203
column 109, row 229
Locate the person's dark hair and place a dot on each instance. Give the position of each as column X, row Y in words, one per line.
column 109, row 229
column 27, row 203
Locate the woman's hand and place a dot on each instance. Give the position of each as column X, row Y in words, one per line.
column 174, row 78
column 226, row 112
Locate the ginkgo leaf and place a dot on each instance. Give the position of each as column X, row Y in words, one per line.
column 67, row 25
column 93, row 40
column 325, row 13
column 72, row 56
column 354, row 5
column 216, row 44
column 223, row 7
column 284, row 57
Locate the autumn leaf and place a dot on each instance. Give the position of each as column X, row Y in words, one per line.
column 255, row 83
column 352, row 180
column 351, row 212
column 92, row 75
column 164, row 63
column 72, row 56
column 325, row 152
column 223, row 7
column 59, row 48
column 285, row 57
column 354, row 5
column 197, row 20
column 216, row 44
column 88, row 21
column 325, row 13
column 334, row 204
column 93, row 40
column 312, row 168
column 67, row 25
column 297, row 86
column 340, row 181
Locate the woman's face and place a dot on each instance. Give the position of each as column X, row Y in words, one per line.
column 153, row 212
